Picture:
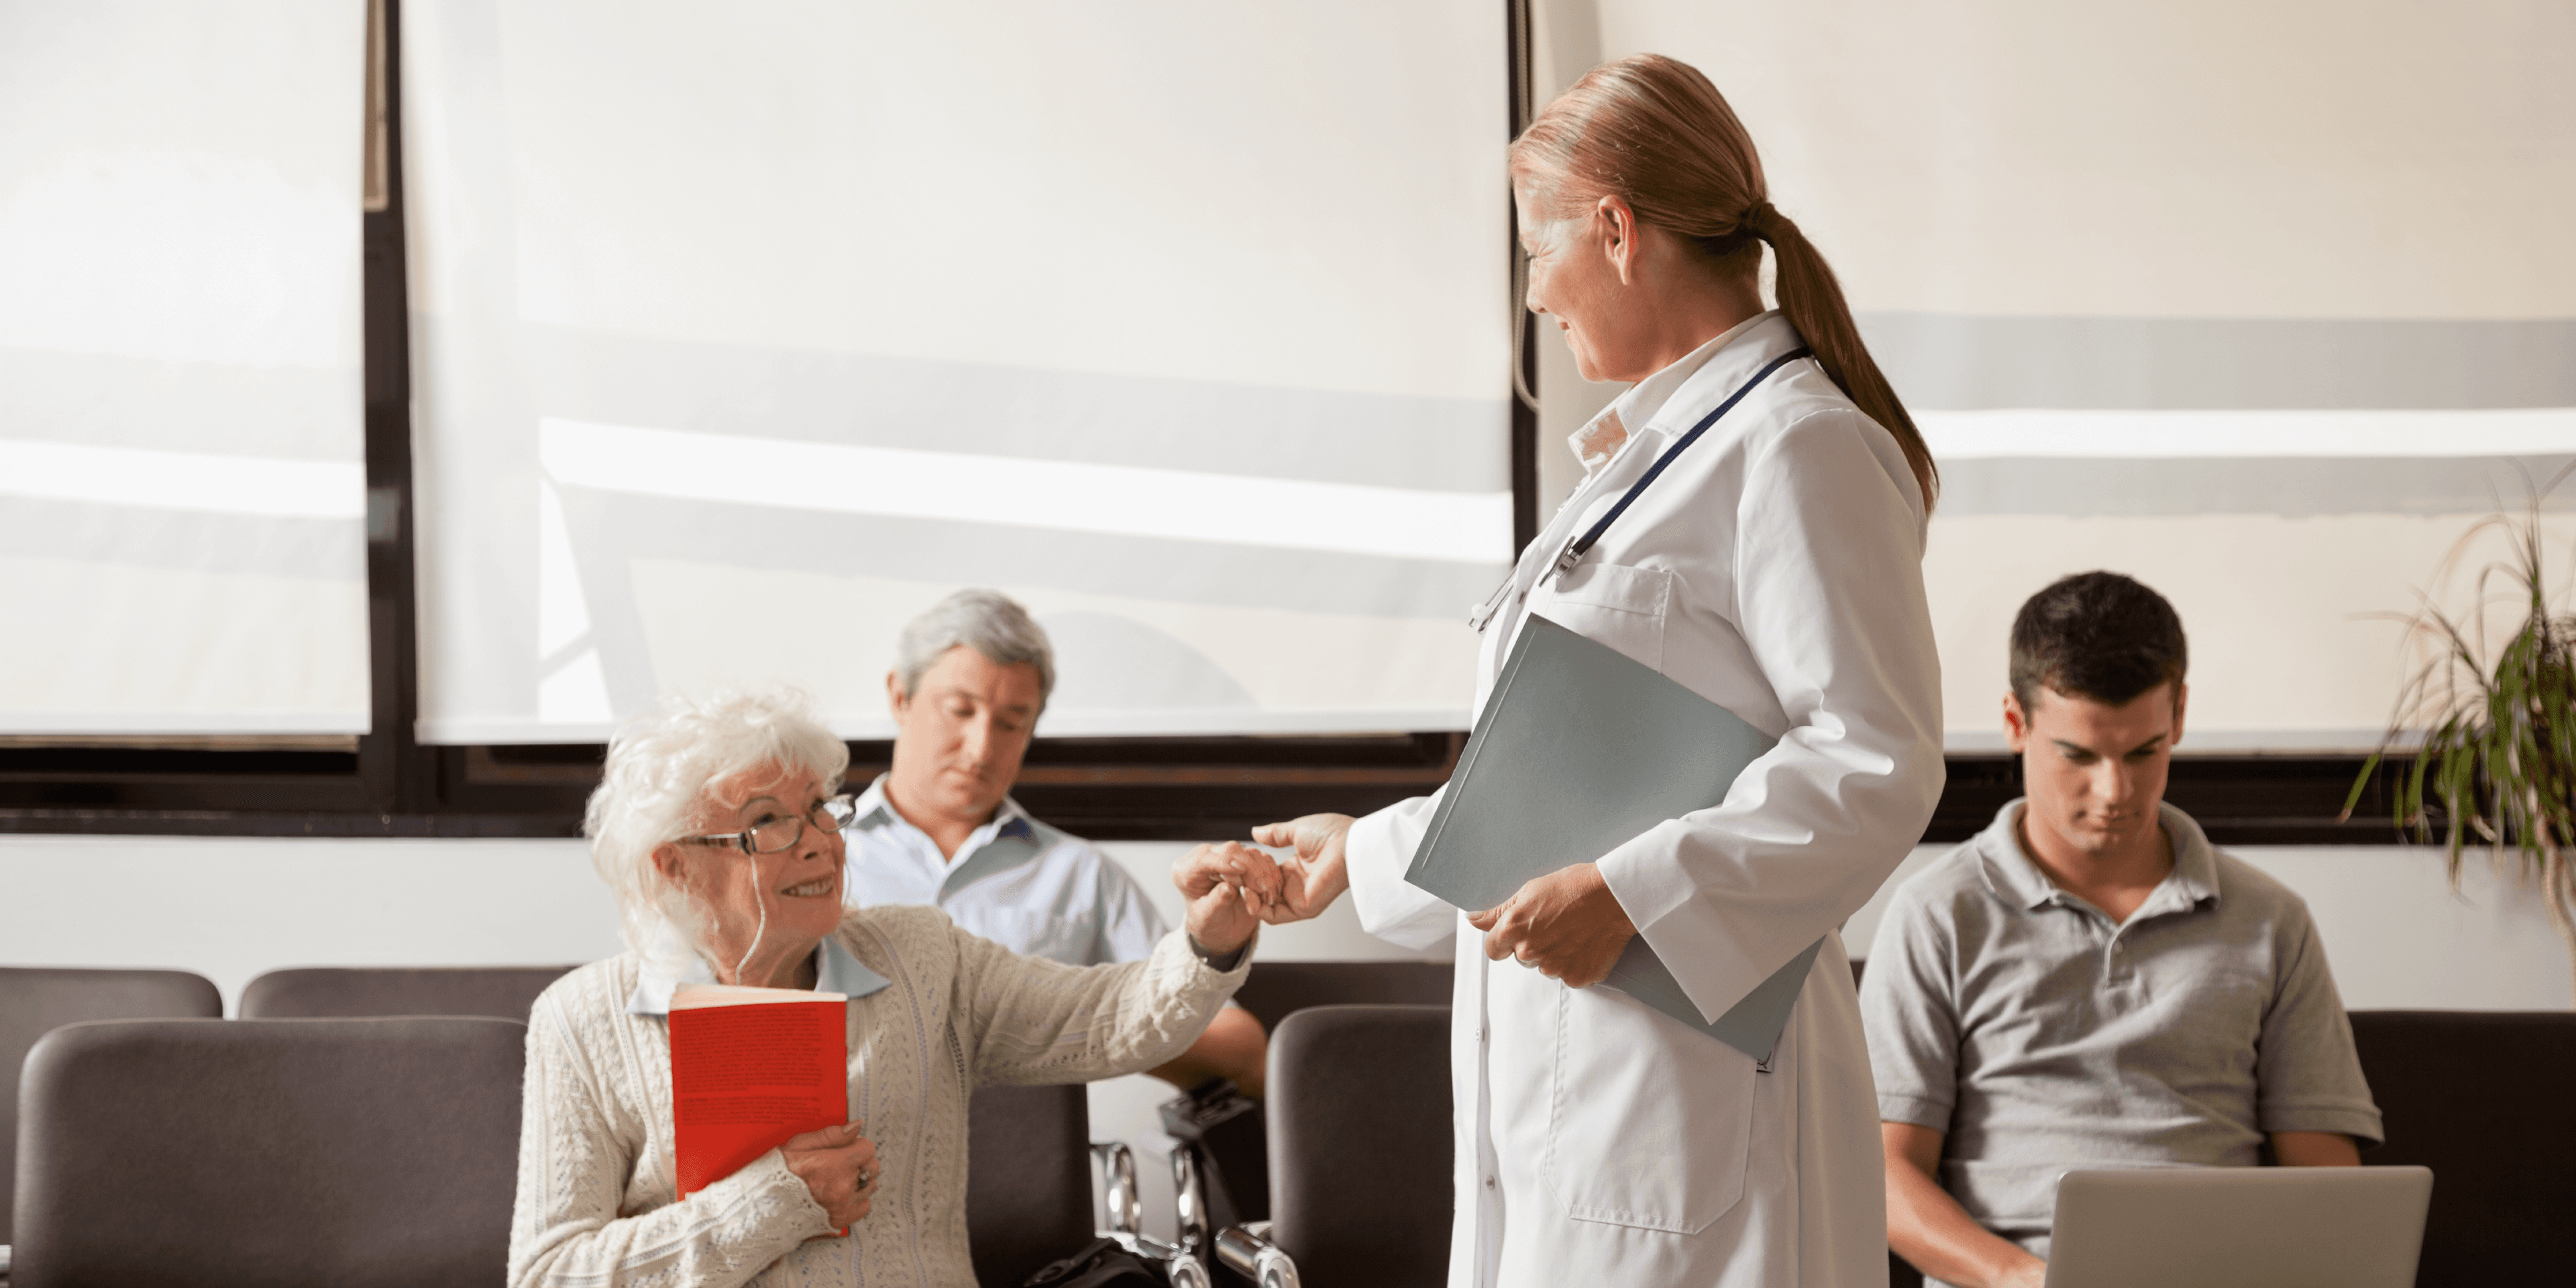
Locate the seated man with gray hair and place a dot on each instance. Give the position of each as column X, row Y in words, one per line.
column 971, row 676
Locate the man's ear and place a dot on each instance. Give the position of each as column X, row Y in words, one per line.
column 2182, row 697
column 896, row 698
column 2016, row 723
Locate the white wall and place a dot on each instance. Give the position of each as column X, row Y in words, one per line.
column 2394, row 933
column 232, row 908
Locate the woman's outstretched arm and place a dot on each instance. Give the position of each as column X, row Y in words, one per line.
column 1029, row 1020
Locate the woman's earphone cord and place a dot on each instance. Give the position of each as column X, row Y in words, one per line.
column 751, row 863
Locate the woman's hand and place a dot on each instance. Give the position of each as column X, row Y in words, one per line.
column 839, row 1168
column 1227, row 885
column 1567, row 924
column 1310, row 881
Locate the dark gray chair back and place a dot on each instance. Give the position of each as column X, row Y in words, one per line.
column 375, row 1153
column 1028, row 1179
column 317, row 992
column 1236, row 1167
column 36, row 1001
column 1275, row 990
column 2481, row 1098
column 1900, row 1272
column 1360, row 1144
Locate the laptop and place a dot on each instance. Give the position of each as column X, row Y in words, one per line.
column 2239, row 1227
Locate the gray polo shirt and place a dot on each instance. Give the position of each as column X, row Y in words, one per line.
column 2042, row 1037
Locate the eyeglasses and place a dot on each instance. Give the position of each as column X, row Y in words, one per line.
column 772, row 832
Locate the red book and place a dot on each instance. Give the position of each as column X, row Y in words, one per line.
column 751, row 1067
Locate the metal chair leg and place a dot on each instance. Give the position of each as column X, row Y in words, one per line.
column 1126, row 1207
column 1247, row 1250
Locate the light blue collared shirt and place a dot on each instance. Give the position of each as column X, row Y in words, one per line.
column 835, row 971
column 1031, row 888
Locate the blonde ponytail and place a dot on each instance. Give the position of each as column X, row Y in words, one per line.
column 1813, row 301
column 1655, row 133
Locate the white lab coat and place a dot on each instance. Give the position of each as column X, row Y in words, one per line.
column 1776, row 569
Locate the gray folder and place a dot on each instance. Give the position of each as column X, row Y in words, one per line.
column 1577, row 752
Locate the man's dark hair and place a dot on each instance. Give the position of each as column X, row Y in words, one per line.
column 2096, row 635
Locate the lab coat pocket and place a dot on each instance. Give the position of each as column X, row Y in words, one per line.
column 1649, row 1123
column 1617, row 605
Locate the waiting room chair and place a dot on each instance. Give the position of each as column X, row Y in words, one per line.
column 1275, row 990
column 2478, row 1097
column 1360, row 1149
column 1900, row 1272
column 36, row 1001
column 1028, row 1185
column 507, row 992
column 2481, row 1098
column 1028, row 1179
column 1233, row 1178
column 375, row 1153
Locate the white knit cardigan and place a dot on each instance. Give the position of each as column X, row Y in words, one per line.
column 595, row 1200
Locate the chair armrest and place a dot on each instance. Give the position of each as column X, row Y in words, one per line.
column 1189, row 1202
column 1181, row 1269
column 1125, row 1205
column 1247, row 1251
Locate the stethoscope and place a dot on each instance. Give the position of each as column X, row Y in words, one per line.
column 1581, row 545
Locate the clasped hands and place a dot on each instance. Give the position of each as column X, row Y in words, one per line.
column 839, row 1167
column 1566, row 925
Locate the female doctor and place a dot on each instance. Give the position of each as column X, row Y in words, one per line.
column 1774, row 567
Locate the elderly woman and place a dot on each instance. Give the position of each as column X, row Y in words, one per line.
column 718, row 827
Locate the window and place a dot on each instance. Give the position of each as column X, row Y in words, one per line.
column 703, row 318
column 743, row 336
column 182, row 499
column 2263, row 309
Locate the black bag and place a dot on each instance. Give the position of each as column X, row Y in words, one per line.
column 1103, row 1264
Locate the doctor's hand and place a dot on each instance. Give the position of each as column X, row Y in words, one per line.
column 1315, row 876
column 1566, row 924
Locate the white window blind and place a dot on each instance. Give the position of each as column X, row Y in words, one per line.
column 2263, row 305
column 181, row 407
column 743, row 334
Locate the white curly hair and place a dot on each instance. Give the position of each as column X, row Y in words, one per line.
column 662, row 766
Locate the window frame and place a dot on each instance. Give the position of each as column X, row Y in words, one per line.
column 390, row 784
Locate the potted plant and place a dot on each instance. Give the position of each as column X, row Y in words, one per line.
column 2497, row 763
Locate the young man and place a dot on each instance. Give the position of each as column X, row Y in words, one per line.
column 2088, row 984
column 940, row 828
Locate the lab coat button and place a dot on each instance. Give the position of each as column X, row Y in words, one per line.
column 1489, row 1182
